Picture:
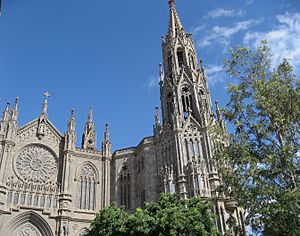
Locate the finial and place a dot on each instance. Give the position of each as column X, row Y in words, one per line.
column 157, row 116
column 15, row 109
column 45, row 104
column 106, row 145
column 106, row 133
column 16, row 104
column 160, row 72
column 218, row 110
column 6, row 112
column 90, row 116
column 171, row 2
column 71, row 123
column 7, row 106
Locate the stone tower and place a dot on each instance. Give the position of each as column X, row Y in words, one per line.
column 185, row 143
column 185, row 140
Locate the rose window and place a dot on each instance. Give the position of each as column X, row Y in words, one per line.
column 36, row 163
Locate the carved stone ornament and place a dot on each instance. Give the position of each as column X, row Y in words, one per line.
column 28, row 230
column 83, row 232
column 36, row 164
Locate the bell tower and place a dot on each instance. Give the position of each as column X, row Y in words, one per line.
column 186, row 147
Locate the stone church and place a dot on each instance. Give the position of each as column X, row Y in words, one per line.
column 48, row 186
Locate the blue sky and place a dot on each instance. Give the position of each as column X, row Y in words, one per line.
column 106, row 54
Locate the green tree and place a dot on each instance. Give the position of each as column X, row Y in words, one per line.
column 168, row 216
column 261, row 164
column 110, row 221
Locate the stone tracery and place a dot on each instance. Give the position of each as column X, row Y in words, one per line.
column 36, row 163
column 28, row 230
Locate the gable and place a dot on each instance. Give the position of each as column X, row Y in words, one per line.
column 30, row 133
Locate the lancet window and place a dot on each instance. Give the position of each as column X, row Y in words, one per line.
column 186, row 99
column 86, row 188
column 170, row 61
column 169, row 107
column 193, row 149
column 125, row 187
column 191, row 61
column 180, row 57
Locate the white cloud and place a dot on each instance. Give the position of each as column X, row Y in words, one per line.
column 221, row 12
column 214, row 73
column 153, row 82
column 222, row 34
column 283, row 39
column 198, row 29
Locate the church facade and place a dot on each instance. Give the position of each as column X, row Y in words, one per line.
column 48, row 186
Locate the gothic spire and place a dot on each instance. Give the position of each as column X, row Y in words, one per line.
column 70, row 140
column 15, row 110
column 71, row 123
column 175, row 25
column 157, row 117
column 106, row 133
column 160, row 73
column 4, row 121
column 106, row 145
column 90, row 115
column 6, row 112
column 43, row 118
column 220, row 116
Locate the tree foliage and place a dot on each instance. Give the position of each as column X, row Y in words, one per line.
column 261, row 164
column 168, row 216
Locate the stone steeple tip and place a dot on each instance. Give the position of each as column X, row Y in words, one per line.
column 71, row 123
column 70, row 137
column 106, row 133
column 90, row 115
column 15, row 111
column 106, row 144
column 175, row 25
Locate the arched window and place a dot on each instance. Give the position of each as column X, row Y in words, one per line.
column 170, row 187
column 125, row 187
column 191, row 61
column 191, row 149
column 180, row 57
column 196, row 184
column 170, row 62
column 169, row 107
column 86, row 188
column 196, row 148
column 186, row 99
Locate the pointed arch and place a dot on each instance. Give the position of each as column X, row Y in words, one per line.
column 28, row 222
column 125, row 179
column 91, row 166
column 180, row 56
column 87, row 179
